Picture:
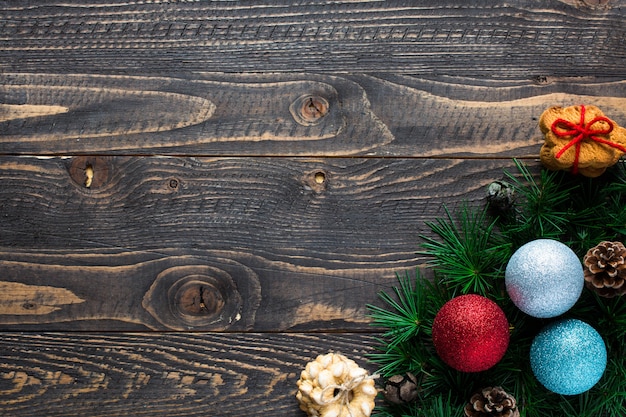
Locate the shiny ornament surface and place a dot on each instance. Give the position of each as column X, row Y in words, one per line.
column 470, row 333
column 568, row 357
column 544, row 278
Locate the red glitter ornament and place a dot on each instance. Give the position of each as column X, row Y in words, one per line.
column 471, row 333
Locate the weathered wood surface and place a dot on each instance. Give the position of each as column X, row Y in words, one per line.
column 214, row 174
column 290, row 243
column 169, row 374
column 363, row 115
column 485, row 38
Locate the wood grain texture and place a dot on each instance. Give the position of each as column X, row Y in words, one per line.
column 383, row 115
column 169, row 115
column 215, row 173
column 486, row 38
column 170, row 374
column 287, row 243
column 467, row 117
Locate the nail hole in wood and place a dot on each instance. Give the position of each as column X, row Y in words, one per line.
column 319, row 177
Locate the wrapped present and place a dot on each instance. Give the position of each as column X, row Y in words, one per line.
column 581, row 139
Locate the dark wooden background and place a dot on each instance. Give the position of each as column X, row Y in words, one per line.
column 183, row 228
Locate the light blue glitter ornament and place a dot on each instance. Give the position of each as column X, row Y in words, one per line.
column 568, row 357
column 544, row 278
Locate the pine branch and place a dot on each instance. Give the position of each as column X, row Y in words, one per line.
column 403, row 319
column 540, row 212
column 469, row 256
column 469, row 252
column 407, row 318
column 399, row 359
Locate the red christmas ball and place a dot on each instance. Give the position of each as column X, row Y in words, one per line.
column 471, row 333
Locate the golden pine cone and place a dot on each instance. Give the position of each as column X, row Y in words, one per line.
column 334, row 386
column 605, row 269
column 492, row 402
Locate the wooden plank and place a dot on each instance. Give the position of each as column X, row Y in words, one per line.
column 488, row 38
column 252, row 114
column 61, row 114
column 172, row 374
column 274, row 243
column 464, row 117
column 181, row 169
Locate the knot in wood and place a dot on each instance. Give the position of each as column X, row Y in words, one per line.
column 308, row 110
column 199, row 298
column 90, row 172
column 184, row 297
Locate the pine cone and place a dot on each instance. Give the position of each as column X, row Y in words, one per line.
column 492, row 402
column 401, row 389
column 500, row 196
column 605, row 269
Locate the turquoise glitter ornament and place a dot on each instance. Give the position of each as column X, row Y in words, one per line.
column 568, row 357
column 544, row 278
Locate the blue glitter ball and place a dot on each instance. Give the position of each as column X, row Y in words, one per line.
column 544, row 278
column 568, row 357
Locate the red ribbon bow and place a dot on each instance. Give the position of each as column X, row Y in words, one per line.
column 581, row 132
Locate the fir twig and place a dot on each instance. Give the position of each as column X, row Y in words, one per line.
column 403, row 319
column 540, row 209
column 469, row 252
column 469, row 256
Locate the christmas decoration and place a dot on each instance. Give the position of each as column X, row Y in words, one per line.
column 467, row 251
column 492, row 402
column 401, row 389
column 568, row 357
column 470, row 333
column 500, row 195
column 605, row 269
column 544, row 278
column 580, row 138
column 334, row 386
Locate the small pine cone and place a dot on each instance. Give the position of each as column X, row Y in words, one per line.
column 500, row 196
column 605, row 269
column 401, row 389
column 492, row 402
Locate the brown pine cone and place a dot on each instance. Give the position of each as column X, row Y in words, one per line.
column 605, row 269
column 401, row 389
column 492, row 402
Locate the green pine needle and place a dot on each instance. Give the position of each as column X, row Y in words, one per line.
column 541, row 212
column 398, row 359
column 468, row 252
column 468, row 256
column 403, row 320
column 407, row 319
